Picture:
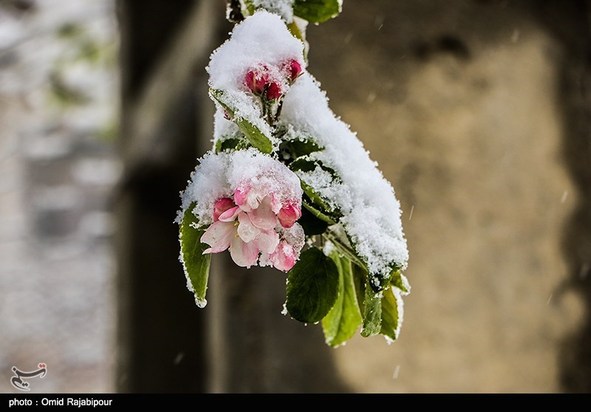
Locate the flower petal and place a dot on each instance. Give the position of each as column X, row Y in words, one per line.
column 263, row 216
column 265, row 260
column 288, row 215
column 284, row 257
column 243, row 254
column 246, row 230
column 295, row 236
column 220, row 206
column 240, row 198
column 267, row 240
column 218, row 236
column 230, row 214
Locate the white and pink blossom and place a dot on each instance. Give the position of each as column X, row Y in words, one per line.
column 254, row 213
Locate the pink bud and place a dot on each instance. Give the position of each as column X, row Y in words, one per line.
column 256, row 80
column 288, row 215
column 220, row 206
column 274, row 91
column 293, row 68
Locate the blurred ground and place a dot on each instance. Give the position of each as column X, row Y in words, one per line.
column 57, row 117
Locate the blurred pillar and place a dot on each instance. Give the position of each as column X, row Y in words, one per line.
column 161, row 345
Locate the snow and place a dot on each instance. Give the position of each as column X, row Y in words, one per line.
column 223, row 128
column 219, row 175
column 262, row 39
column 371, row 213
column 399, row 310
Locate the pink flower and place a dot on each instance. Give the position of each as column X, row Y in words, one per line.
column 287, row 251
column 254, row 224
column 235, row 230
column 255, row 217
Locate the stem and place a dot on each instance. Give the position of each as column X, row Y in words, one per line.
column 318, row 214
column 278, row 113
column 345, row 249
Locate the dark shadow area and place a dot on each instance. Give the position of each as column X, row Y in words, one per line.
column 160, row 339
column 569, row 23
column 256, row 348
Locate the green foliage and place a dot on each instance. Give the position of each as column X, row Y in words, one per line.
column 195, row 263
column 315, row 203
column 343, row 320
column 390, row 315
column 317, row 11
column 311, row 224
column 254, row 135
column 290, row 150
column 372, row 313
column 230, row 144
column 399, row 281
column 312, row 286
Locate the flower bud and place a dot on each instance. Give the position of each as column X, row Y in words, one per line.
column 288, row 215
column 220, row 206
column 273, row 91
column 292, row 69
column 256, row 80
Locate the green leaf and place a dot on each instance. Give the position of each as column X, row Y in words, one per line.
column 248, row 7
column 305, row 165
column 399, row 280
column 311, row 224
column 230, row 144
column 345, row 249
column 391, row 314
column 293, row 149
column 317, row 11
column 372, row 313
column 318, row 214
column 312, row 286
column 380, row 281
column 299, row 32
column 254, row 135
column 317, row 204
column 341, row 323
column 195, row 263
column 360, row 281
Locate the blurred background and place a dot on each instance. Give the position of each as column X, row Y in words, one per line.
column 477, row 111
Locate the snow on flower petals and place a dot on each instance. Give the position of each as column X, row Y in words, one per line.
column 261, row 39
column 249, row 203
column 260, row 60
